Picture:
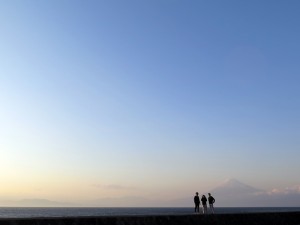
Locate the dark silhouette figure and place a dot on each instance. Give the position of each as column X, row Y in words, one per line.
column 204, row 200
column 197, row 202
column 211, row 202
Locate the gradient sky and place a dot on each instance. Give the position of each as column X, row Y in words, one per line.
column 156, row 99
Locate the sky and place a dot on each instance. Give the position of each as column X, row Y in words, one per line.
column 152, row 99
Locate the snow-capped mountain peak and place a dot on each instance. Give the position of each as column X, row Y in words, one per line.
column 234, row 187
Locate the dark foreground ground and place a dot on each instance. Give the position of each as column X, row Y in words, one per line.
column 284, row 218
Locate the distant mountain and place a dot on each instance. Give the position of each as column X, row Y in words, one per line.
column 228, row 194
column 35, row 203
column 235, row 193
column 127, row 201
column 235, row 187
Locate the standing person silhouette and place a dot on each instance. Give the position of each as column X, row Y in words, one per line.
column 211, row 202
column 204, row 200
column 197, row 202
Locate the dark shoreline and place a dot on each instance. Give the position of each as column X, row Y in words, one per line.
column 281, row 218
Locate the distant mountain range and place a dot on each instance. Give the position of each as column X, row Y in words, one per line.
column 35, row 203
column 231, row 193
column 127, row 201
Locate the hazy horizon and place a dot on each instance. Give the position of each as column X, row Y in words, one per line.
column 148, row 99
column 231, row 193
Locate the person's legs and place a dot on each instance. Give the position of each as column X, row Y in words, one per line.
column 204, row 209
column 197, row 208
column 212, row 210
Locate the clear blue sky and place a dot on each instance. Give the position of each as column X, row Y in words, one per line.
column 147, row 98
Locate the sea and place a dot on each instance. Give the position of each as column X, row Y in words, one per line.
column 36, row 212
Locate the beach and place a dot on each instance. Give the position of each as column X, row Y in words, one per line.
column 284, row 218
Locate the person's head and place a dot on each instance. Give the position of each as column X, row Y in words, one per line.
column 203, row 196
column 209, row 194
column 197, row 193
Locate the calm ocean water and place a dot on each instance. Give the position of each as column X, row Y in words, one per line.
column 12, row 212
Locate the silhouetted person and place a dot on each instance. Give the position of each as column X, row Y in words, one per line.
column 211, row 202
column 204, row 200
column 197, row 202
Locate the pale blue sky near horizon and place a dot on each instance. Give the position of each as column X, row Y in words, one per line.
column 154, row 98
